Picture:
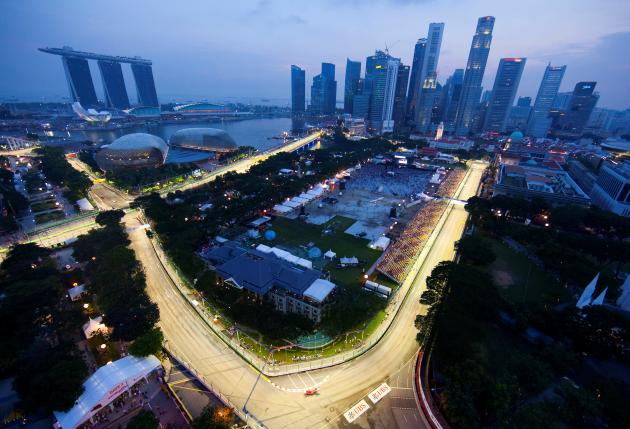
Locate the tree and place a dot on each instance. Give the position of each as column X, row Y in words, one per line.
column 109, row 217
column 50, row 379
column 145, row 419
column 475, row 250
column 214, row 418
column 147, row 344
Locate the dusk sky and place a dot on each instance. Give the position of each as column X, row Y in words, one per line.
column 215, row 50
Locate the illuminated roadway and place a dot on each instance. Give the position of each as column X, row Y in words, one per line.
column 341, row 386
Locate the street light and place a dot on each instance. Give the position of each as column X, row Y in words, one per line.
column 86, row 305
column 103, row 346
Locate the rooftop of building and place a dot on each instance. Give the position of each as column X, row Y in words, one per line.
column 539, row 178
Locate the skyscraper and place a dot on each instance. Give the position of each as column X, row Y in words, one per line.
column 428, row 66
column 298, row 89
column 143, row 75
column 353, row 74
column 80, row 81
column 453, row 90
column 324, row 91
column 424, row 109
column 382, row 70
column 475, row 68
column 415, row 79
column 539, row 121
column 503, row 93
column 581, row 106
column 361, row 100
column 400, row 97
column 113, row 84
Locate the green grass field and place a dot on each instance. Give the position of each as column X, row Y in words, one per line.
column 520, row 280
column 295, row 233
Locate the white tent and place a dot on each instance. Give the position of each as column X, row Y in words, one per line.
column 381, row 243
column 587, row 296
column 76, row 292
column 282, row 208
column 94, row 327
column 287, row 256
column 292, row 204
column 319, row 290
column 316, row 191
column 330, row 254
column 624, row 300
column 299, row 200
column 349, row 261
column 84, row 205
column 105, row 385
column 307, row 197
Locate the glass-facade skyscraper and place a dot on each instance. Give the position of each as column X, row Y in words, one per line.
column 324, row 91
column 415, row 79
column 473, row 77
column 143, row 75
column 581, row 106
column 539, row 121
column 428, row 74
column 80, row 81
column 400, row 102
column 353, row 74
column 298, row 90
column 113, row 85
column 382, row 71
column 453, row 90
column 503, row 93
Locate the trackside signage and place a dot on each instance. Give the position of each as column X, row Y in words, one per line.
column 355, row 412
column 379, row 393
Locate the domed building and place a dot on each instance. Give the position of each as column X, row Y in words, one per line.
column 206, row 139
column 135, row 150
column 516, row 136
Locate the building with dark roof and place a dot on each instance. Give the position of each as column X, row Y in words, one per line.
column 264, row 276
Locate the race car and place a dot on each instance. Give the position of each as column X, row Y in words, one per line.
column 310, row 392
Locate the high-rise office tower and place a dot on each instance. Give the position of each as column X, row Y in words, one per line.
column 361, row 100
column 400, row 96
column 382, row 70
column 429, row 64
column 524, row 102
column 324, row 91
column 143, row 75
column 113, row 84
column 415, row 77
column 452, row 92
column 298, row 90
column 562, row 100
column 581, row 106
column 503, row 93
column 539, row 121
column 353, row 74
column 330, row 89
column 475, row 68
column 80, row 81
column 425, row 106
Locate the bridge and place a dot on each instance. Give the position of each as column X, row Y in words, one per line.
column 16, row 143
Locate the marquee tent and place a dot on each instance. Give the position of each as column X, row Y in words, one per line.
column 105, row 385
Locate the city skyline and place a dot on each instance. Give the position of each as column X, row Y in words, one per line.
column 250, row 48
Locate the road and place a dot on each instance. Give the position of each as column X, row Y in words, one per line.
column 244, row 165
column 341, row 386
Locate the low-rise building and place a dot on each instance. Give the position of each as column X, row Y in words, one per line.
column 291, row 287
column 612, row 188
column 529, row 181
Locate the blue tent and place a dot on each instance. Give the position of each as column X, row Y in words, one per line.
column 270, row 234
column 314, row 252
